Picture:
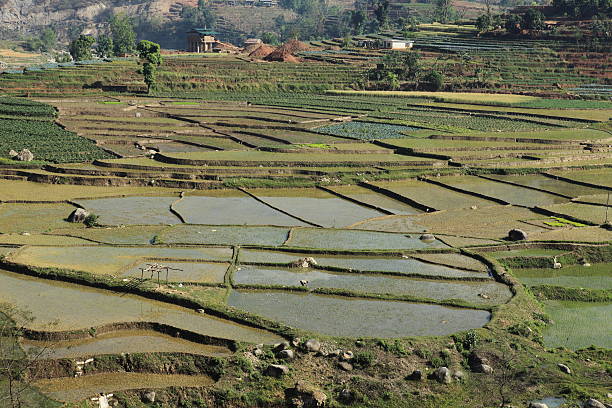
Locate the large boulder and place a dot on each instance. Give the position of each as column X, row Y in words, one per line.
column 148, row 397
column 443, row 375
column 305, row 396
column 276, row 370
column 416, row 375
column 517, row 235
column 78, row 215
column 24, row 155
column 564, row 368
column 286, row 354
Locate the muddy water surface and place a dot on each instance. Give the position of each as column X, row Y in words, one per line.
column 335, row 316
column 61, row 307
column 132, row 210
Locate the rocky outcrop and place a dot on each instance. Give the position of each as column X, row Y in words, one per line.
column 305, row 396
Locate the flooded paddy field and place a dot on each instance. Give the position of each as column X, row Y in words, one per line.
column 132, row 210
column 400, row 265
column 595, row 214
column 549, row 184
column 596, row 276
column 110, row 260
column 506, row 192
column 578, row 324
column 123, row 235
column 356, row 239
column 224, row 235
column 496, row 293
column 41, row 239
column 370, row 197
column 231, row 207
column 125, row 341
column 377, row 318
column 201, row 272
column 79, row 388
column 316, row 206
column 61, row 307
column 433, row 196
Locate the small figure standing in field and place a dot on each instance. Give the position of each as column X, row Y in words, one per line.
column 556, row 264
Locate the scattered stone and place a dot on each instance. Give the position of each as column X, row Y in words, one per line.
column 286, row 354
column 201, row 311
column 296, row 342
column 25, row 155
column 305, row 396
column 258, row 352
column 473, row 207
column 443, row 375
column 276, row 370
column 537, row 405
column 360, row 343
column 517, row 235
column 484, row 296
column 345, row 366
column 335, row 353
column 347, row 355
column 346, row 396
column 593, row 403
column 427, row 238
column 284, row 345
column 78, row 215
column 12, row 154
column 564, row 368
column 148, row 397
column 312, row 345
column 416, row 375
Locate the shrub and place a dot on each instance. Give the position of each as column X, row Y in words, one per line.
column 91, row 220
column 363, row 359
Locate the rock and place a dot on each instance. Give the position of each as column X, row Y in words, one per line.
column 346, row 396
column 593, row 403
column 312, row 345
column 78, row 215
column 416, row 375
column 360, row 343
column 517, row 235
column 484, row 368
column 12, row 154
column 303, row 262
column 335, row 353
column 443, row 375
column 347, row 355
column 427, row 237
column 345, row 366
column 148, row 397
column 284, row 345
column 286, row 354
column 303, row 395
column 458, row 375
column 296, row 342
column 276, row 370
column 564, row 368
column 258, row 352
column 24, row 155
column 537, row 405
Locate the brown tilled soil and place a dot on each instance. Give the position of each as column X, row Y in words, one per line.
column 262, row 51
column 285, row 52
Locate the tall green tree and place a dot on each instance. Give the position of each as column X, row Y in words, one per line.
column 80, row 48
column 533, row 20
column 444, row 10
column 104, row 46
column 122, row 31
column 150, row 55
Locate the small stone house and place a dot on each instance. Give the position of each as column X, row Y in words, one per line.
column 393, row 44
column 201, row 40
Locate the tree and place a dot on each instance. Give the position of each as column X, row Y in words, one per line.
column 444, row 10
column 104, row 46
column 16, row 370
column 434, row 80
column 124, row 37
column 201, row 16
column 483, row 23
column 513, row 23
column 150, row 53
column 381, row 12
column 357, row 21
column 80, row 49
column 392, row 81
column 270, row 38
column 533, row 20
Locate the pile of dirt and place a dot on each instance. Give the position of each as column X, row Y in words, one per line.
column 285, row 52
column 226, row 47
column 261, row 51
column 250, row 48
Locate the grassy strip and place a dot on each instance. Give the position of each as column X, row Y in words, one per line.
column 552, row 292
